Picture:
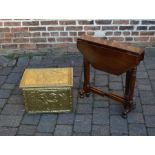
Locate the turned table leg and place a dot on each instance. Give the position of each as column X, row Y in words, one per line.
column 129, row 91
column 86, row 84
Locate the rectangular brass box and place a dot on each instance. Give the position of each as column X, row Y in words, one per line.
column 47, row 90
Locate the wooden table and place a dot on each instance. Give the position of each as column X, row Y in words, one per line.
column 114, row 58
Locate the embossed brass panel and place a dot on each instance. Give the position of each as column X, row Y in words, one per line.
column 47, row 77
column 47, row 90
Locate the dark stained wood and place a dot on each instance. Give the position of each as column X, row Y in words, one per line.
column 108, row 56
column 112, row 57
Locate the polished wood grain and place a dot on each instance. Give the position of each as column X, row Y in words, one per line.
column 112, row 57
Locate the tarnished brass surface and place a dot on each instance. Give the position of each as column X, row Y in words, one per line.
column 47, row 77
column 47, row 100
column 47, row 90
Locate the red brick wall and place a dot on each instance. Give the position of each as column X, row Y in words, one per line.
column 33, row 34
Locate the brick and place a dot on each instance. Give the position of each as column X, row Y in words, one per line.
column 150, row 121
column 45, row 34
column 2, row 102
column 9, row 46
column 36, row 34
column 144, row 87
column 66, row 118
column 45, row 45
column 119, row 134
column 101, row 116
column 134, row 33
column 21, row 40
column 115, row 85
column 27, row 130
column 90, row 33
column 84, row 108
column 73, row 33
column 149, row 109
column 151, row 74
column 141, row 39
column 135, row 118
column 115, row 78
column 81, row 134
column 4, row 93
column 51, row 39
column 27, row 46
column 8, row 35
column 137, row 130
column 109, row 33
column 82, row 123
column 148, row 22
column 11, row 109
column 152, row 39
column 37, row 28
column 5, row 41
column 134, row 22
column 2, row 35
column 49, row 22
column 109, row 27
column 63, row 33
column 116, row 109
column 151, row 131
column 4, row 30
column 118, row 125
column 43, row 134
column 23, row 61
column 31, row 23
column 60, row 28
column 81, row 33
column 85, row 22
column 101, row 80
column 100, row 130
column 21, row 34
column 19, row 29
column 92, row 28
column 126, row 33
column 142, row 74
column 86, row 99
column 37, row 40
column 141, row 27
column 152, row 28
column 103, row 22
column 54, row 34
column 117, row 33
column 1, row 23
column 5, row 71
column 47, row 123
column 74, row 28
column 13, row 78
column 100, row 104
column 12, row 23
column 126, row 28
column 30, row 119
column 5, row 131
column 10, row 121
column 64, row 39
column 116, row 38
column 67, row 22
column 121, row 22
column 2, row 79
column 63, row 130
column 128, row 39
column 147, row 33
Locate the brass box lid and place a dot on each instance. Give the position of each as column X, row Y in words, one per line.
column 47, row 77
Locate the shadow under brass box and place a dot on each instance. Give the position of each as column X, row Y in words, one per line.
column 47, row 90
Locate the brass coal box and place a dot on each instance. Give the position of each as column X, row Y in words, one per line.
column 47, row 90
